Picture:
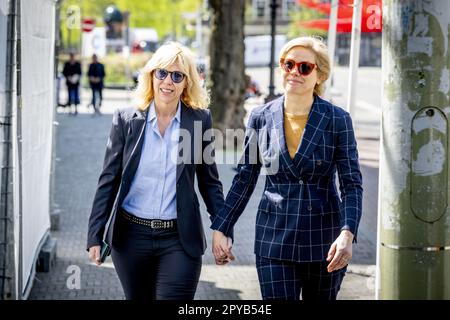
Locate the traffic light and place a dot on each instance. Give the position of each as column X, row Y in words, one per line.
column 113, row 20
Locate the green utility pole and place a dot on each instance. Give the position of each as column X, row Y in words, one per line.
column 413, row 257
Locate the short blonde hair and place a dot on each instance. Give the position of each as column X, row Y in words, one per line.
column 194, row 95
column 320, row 51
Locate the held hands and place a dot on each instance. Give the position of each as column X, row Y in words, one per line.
column 340, row 252
column 94, row 254
column 221, row 248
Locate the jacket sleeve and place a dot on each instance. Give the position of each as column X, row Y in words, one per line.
column 349, row 174
column 108, row 183
column 91, row 71
column 65, row 71
column 207, row 176
column 244, row 181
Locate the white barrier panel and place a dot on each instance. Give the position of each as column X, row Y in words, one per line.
column 37, row 60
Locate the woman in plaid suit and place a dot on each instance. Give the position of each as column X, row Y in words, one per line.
column 304, row 228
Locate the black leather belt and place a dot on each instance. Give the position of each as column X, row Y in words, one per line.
column 152, row 223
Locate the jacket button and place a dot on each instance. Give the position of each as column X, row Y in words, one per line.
column 300, row 181
column 319, row 162
column 309, row 208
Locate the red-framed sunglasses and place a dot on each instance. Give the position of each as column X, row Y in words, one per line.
column 303, row 67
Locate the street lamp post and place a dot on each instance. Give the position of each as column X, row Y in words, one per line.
column 273, row 17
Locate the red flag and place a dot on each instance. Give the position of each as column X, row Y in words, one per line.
column 371, row 15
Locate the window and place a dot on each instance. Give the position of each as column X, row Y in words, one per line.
column 290, row 5
column 260, row 8
column 287, row 7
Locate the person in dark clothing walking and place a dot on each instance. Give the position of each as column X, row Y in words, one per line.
column 305, row 229
column 96, row 73
column 146, row 208
column 72, row 73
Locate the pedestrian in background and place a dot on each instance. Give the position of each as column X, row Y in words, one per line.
column 156, row 233
column 96, row 74
column 251, row 87
column 304, row 229
column 72, row 73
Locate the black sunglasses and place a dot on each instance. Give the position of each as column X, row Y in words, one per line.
column 176, row 76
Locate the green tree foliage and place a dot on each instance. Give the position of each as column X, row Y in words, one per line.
column 304, row 14
column 88, row 9
column 164, row 16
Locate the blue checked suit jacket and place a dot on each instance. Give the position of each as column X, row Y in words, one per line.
column 300, row 213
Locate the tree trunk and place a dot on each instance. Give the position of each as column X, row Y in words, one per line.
column 227, row 81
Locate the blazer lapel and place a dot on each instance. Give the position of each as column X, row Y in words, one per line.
column 316, row 124
column 186, row 126
column 136, row 135
column 277, row 115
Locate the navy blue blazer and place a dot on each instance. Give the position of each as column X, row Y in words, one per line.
column 300, row 213
column 122, row 158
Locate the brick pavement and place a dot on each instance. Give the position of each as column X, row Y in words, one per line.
column 80, row 146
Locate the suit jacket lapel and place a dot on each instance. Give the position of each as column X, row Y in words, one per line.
column 317, row 121
column 136, row 135
column 277, row 115
column 186, row 126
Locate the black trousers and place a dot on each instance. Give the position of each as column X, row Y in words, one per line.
column 286, row 280
column 152, row 264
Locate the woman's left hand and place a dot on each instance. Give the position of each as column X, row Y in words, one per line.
column 340, row 252
column 221, row 248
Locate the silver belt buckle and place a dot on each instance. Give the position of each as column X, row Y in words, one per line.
column 156, row 224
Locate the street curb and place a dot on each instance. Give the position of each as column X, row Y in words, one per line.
column 362, row 270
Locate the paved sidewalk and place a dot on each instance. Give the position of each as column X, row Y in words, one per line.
column 81, row 141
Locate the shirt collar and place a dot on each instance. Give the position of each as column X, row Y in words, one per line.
column 152, row 112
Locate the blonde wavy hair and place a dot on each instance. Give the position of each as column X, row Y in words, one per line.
column 194, row 95
column 320, row 51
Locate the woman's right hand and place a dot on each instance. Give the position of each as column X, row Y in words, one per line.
column 94, row 254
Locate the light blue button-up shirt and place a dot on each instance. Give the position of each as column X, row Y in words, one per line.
column 152, row 193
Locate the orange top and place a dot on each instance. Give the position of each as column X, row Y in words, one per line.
column 293, row 131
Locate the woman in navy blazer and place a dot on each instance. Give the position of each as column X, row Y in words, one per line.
column 146, row 188
column 304, row 229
